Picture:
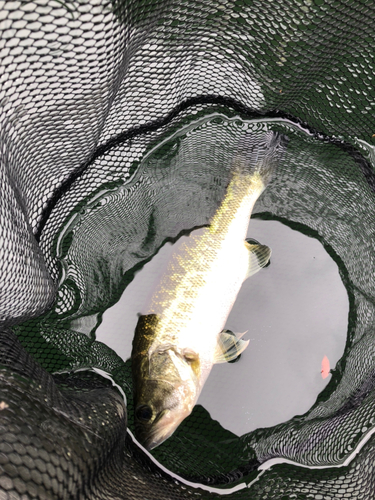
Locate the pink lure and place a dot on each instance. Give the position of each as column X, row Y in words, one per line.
column 325, row 367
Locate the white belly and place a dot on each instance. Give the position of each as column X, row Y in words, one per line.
column 215, row 299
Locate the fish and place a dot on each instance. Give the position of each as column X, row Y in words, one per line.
column 181, row 334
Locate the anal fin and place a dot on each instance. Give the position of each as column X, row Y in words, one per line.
column 259, row 256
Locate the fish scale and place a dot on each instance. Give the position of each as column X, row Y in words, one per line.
column 204, row 263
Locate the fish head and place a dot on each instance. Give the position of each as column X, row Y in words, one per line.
column 166, row 388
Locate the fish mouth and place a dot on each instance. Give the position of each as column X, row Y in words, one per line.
column 153, row 435
column 152, row 443
column 155, row 439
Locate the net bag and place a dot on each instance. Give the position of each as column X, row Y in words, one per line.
column 119, row 122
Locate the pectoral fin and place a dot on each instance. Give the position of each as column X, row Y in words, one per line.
column 229, row 346
column 259, row 256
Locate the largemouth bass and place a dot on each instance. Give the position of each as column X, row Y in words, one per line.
column 181, row 335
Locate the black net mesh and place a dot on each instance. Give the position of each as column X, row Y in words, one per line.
column 119, row 122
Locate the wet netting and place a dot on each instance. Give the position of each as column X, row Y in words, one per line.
column 119, row 122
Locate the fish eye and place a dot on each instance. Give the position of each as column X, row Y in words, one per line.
column 143, row 413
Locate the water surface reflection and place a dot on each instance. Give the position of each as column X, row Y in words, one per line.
column 295, row 312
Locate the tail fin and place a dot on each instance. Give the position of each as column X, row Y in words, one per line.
column 259, row 154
